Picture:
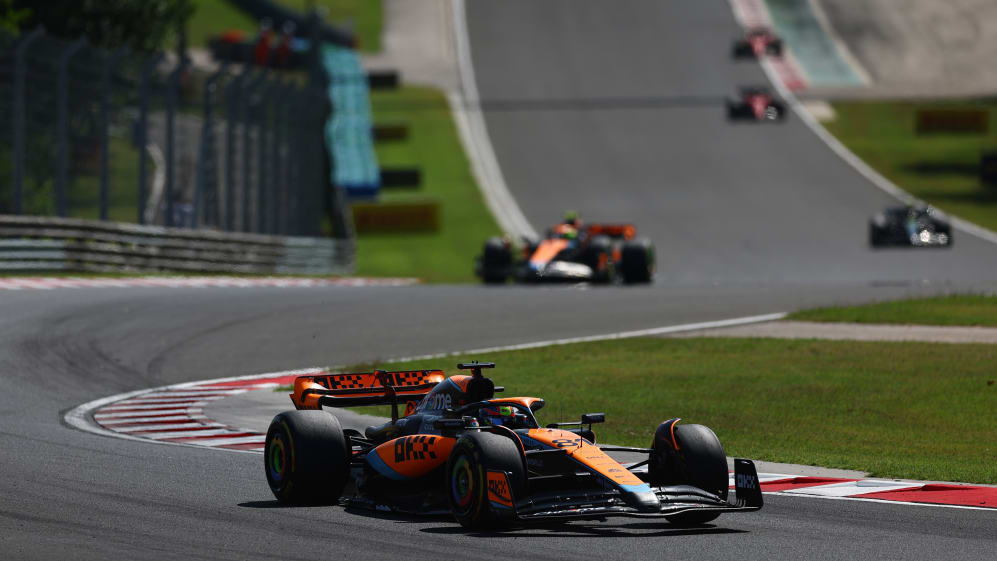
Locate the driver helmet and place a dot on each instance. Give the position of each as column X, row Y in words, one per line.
column 499, row 415
column 571, row 218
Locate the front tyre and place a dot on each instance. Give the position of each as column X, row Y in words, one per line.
column 473, row 456
column 306, row 457
column 637, row 261
column 699, row 460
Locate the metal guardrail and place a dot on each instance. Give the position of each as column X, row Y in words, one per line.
column 32, row 243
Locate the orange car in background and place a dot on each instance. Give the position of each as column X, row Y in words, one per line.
column 571, row 252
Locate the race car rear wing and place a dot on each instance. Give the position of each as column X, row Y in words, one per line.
column 364, row 388
column 624, row 231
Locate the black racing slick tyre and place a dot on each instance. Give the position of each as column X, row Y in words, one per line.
column 637, row 261
column 485, row 474
column 599, row 257
column 699, row 461
column 496, row 260
column 306, row 457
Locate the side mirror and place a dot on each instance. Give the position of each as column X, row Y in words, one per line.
column 592, row 418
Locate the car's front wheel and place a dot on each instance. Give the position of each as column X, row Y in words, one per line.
column 694, row 457
column 485, row 474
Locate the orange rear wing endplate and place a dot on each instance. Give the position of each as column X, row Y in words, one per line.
column 625, row 231
column 363, row 388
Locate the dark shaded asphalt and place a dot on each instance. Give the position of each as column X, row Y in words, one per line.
column 66, row 494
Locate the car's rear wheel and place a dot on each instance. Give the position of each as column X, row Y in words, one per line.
column 637, row 261
column 496, row 261
column 598, row 256
column 306, row 457
column 473, row 456
column 699, row 461
column 875, row 236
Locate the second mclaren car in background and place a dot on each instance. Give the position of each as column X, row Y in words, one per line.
column 571, row 252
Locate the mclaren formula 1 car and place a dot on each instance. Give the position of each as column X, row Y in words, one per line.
column 914, row 226
column 571, row 252
column 756, row 103
column 458, row 449
column 756, row 43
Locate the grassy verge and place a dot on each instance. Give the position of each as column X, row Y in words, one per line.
column 942, row 169
column 973, row 310
column 910, row 410
column 432, row 145
column 215, row 16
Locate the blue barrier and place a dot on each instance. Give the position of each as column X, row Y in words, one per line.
column 348, row 132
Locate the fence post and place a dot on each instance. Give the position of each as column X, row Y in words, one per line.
column 142, row 132
column 20, row 76
column 207, row 153
column 277, row 184
column 110, row 61
column 247, row 104
column 263, row 169
column 62, row 127
column 172, row 93
column 232, row 113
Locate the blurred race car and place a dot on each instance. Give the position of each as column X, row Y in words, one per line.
column 756, row 103
column 914, row 226
column 757, row 42
column 571, row 252
column 460, row 450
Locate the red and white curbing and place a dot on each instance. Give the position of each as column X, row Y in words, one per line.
column 754, row 13
column 49, row 283
column 174, row 415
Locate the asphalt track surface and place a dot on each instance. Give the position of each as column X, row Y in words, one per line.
column 70, row 495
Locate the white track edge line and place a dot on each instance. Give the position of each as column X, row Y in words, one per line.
column 465, row 104
column 881, row 501
column 847, row 155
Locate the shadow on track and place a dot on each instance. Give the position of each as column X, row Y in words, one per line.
column 605, row 530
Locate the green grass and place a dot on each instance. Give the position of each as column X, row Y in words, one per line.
column 215, row 16
column 433, row 146
column 942, row 169
column 973, row 310
column 906, row 410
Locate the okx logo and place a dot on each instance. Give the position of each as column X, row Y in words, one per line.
column 745, row 481
column 414, row 448
column 498, row 489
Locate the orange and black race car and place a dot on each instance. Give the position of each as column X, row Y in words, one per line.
column 461, row 450
column 571, row 252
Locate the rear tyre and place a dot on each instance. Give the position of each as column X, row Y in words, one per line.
column 472, row 457
column 598, row 256
column 875, row 236
column 306, row 457
column 637, row 261
column 495, row 261
column 699, row 461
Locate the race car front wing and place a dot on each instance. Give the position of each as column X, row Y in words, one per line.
column 674, row 500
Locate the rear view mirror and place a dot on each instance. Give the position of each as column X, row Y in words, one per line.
column 591, row 418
